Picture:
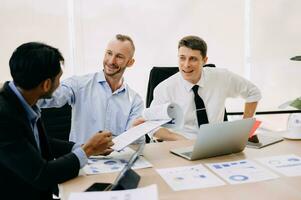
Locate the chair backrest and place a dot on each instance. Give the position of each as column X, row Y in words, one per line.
column 159, row 74
column 57, row 121
column 156, row 76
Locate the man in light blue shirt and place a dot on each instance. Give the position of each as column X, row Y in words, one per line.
column 101, row 101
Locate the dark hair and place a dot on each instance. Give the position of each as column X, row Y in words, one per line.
column 195, row 43
column 126, row 38
column 33, row 62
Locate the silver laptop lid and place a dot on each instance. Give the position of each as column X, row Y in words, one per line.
column 222, row 138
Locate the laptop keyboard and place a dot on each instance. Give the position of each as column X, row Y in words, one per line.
column 188, row 154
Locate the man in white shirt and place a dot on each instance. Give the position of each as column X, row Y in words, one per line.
column 213, row 85
column 102, row 100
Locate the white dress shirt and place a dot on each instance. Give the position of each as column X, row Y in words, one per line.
column 215, row 86
column 94, row 106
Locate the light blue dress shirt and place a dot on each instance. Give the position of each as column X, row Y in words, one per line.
column 94, row 106
column 33, row 114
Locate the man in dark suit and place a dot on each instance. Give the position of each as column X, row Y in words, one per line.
column 31, row 164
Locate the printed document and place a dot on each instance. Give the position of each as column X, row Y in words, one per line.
column 169, row 114
column 241, row 171
column 189, row 177
column 288, row 165
column 146, row 193
column 114, row 162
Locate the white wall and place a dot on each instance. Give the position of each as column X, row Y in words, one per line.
column 23, row 21
column 156, row 26
column 276, row 37
column 156, row 31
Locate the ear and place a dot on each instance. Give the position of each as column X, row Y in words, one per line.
column 46, row 85
column 205, row 59
column 131, row 62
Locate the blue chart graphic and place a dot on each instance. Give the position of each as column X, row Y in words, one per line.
column 94, row 169
column 199, row 176
column 293, row 159
column 217, row 167
column 110, row 162
column 93, row 160
column 225, row 165
column 238, row 178
column 123, row 161
column 202, row 176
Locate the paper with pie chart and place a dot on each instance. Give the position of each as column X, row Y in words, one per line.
column 189, row 177
column 114, row 162
column 288, row 165
column 241, row 171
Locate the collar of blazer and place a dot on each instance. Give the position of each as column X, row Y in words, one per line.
column 17, row 112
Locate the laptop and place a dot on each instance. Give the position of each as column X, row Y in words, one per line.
column 218, row 139
column 126, row 179
column 264, row 141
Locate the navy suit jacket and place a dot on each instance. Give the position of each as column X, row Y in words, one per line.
column 24, row 172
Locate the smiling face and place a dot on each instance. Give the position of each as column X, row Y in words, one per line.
column 191, row 64
column 118, row 57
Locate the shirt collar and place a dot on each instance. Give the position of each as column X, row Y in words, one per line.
column 188, row 86
column 33, row 113
column 101, row 79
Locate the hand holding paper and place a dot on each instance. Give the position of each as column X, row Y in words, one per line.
column 168, row 111
column 169, row 115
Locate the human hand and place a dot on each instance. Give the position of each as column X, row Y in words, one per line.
column 106, row 152
column 99, row 143
column 138, row 121
column 163, row 134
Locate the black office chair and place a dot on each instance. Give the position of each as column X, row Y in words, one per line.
column 156, row 76
column 57, row 121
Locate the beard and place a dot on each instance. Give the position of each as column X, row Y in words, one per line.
column 48, row 95
column 112, row 73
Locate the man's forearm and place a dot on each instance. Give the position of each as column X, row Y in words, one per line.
column 167, row 135
column 250, row 109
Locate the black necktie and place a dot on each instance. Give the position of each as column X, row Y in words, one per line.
column 200, row 107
